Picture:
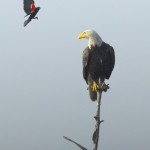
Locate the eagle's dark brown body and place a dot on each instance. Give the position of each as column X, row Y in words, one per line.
column 98, row 63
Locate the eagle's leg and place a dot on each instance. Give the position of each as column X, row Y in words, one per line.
column 95, row 86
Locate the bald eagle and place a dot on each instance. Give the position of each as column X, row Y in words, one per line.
column 98, row 61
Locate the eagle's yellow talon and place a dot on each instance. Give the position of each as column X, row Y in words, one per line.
column 95, row 87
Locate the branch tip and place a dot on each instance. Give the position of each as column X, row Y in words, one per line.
column 83, row 148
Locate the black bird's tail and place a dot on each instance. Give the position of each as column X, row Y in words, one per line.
column 26, row 22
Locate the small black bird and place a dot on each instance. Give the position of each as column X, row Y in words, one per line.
column 30, row 9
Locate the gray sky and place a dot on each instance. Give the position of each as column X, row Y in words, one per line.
column 42, row 92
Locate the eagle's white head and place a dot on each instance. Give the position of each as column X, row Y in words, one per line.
column 93, row 38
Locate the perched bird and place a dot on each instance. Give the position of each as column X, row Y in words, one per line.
column 98, row 61
column 30, row 9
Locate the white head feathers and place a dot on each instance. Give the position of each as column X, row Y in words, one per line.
column 93, row 38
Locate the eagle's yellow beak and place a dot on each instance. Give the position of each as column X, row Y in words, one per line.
column 80, row 36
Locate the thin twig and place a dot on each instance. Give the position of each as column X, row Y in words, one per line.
column 83, row 148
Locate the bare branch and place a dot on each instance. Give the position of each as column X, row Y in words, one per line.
column 83, row 148
column 97, row 125
column 95, row 138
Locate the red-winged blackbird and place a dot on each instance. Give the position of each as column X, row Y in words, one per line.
column 30, row 9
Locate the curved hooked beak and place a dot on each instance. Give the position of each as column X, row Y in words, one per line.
column 80, row 36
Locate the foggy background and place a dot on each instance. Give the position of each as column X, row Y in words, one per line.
column 42, row 92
